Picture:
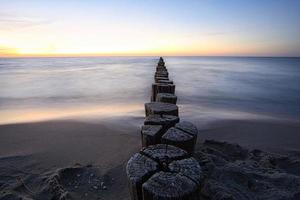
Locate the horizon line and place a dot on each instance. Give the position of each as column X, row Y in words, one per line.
column 138, row 55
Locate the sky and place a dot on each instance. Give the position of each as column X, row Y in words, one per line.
column 149, row 27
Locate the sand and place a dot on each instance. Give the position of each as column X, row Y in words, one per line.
column 67, row 158
column 268, row 135
column 34, row 151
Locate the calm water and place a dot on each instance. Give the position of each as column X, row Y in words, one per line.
column 208, row 88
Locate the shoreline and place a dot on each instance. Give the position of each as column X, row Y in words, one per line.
column 267, row 135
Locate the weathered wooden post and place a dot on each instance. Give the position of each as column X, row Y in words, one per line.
column 139, row 169
column 166, row 98
column 163, row 172
column 179, row 139
column 161, row 88
column 166, row 82
column 151, row 134
column 188, row 127
column 157, row 79
column 183, row 135
column 161, row 74
column 161, row 62
column 166, row 121
column 160, row 108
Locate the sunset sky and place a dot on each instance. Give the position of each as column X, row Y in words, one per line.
column 125, row 27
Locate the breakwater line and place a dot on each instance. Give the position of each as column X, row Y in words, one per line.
column 165, row 167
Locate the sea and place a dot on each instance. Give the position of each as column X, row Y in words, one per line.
column 100, row 88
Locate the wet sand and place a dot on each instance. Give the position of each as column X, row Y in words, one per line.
column 34, row 155
column 267, row 135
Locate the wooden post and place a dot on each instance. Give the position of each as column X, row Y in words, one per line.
column 171, row 186
column 159, row 78
column 161, row 70
column 183, row 135
column 161, row 88
column 163, row 172
column 162, row 73
column 189, row 166
column 164, row 154
column 166, row 98
column 188, row 127
column 161, row 109
column 179, row 139
column 161, row 62
column 165, row 82
column 166, row 121
column 162, row 67
column 151, row 134
column 162, row 81
column 139, row 168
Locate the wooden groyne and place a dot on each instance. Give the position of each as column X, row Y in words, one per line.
column 164, row 168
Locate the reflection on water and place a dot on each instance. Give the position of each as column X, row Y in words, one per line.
column 41, row 114
column 208, row 87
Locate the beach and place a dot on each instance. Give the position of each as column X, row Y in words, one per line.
column 36, row 150
column 85, row 150
column 60, row 144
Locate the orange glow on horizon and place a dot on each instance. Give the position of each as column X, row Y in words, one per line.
column 56, row 40
column 151, row 46
column 172, row 52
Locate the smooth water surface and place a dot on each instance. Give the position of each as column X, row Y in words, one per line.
column 33, row 89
